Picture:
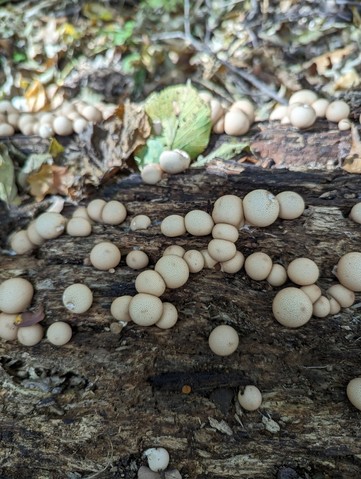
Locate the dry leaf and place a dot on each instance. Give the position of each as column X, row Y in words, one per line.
column 330, row 59
column 352, row 163
column 36, row 97
column 50, row 180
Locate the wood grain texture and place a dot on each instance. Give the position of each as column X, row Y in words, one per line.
column 90, row 408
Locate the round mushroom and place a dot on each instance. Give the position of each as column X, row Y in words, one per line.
column 349, row 271
column 303, row 271
column 246, row 107
column 228, row 209
column 140, row 222
column 355, row 213
column 260, row 207
column 236, row 123
column 173, row 225
column 321, row 307
column 50, row 225
column 337, row 110
column 15, row 295
column 169, row 316
column 113, row 213
column 277, row 276
column 30, row 335
column 95, row 209
column 150, row 282
column 8, row 327
column 20, row 242
column 313, row 292
column 62, row 126
column 226, row 232
column 292, row 307
column 234, row 264
column 152, row 174
column 137, row 260
column 105, row 256
column 221, row 250
column 77, row 298
column 334, row 306
column 173, row 269
column 59, row 333
column 33, row 234
column 145, row 309
column 306, row 97
column 278, row 113
column 320, row 107
column 198, row 223
column 303, row 116
column 78, row 227
column 194, row 260
column 353, row 392
column 174, row 249
column 119, row 308
column 223, row 340
column 342, row 295
column 174, row 161
column 258, row 266
column 291, row 204
column 158, row 458
column 344, row 124
column 250, row 399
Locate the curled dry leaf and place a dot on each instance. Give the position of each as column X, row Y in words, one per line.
column 50, row 180
column 28, row 318
column 36, row 97
column 352, row 162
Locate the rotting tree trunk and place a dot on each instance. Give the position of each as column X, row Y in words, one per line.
column 90, row 408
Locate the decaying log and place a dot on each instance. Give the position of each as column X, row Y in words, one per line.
column 90, row 408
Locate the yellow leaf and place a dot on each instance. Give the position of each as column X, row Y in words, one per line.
column 350, row 80
column 49, row 180
column 55, row 148
column 36, row 97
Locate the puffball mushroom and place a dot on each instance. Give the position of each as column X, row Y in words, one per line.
column 119, row 308
column 349, row 271
column 303, row 271
column 342, row 295
column 15, row 295
column 62, row 126
column 30, row 335
column 194, row 260
column 95, row 209
column 105, row 256
column 174, row 249
column 77, row 298
column 224, row 231
column 337, row 110
column 221, row 250
column 236, row 123
column 246, row 107
column 334, row 306
column 209, row 262
column 50, row 225
column 80, row 125
column 137, row 260
column 303, row 96
column 277, row 275
column 260, row 208
column 20, row 242
column 173, row 269
column 303, row 116
column 218, row 128
column 355, row 213
column 81, row 212
column 223, row 340
column 258, row 266
column 6, row 129
column 145, row 309
column 291, row 204
column 92, row 114
column 292, row 307
column 145, row 473
column 169, row 316
column 320, row 107
column 151, row 174
column 158, row 458
column 173, row 225
column 59, row 333
column 78, row 227
column 113, row 213
column 313, row 292
column 321, row 307
column 33, row 234
column 174, row 161
column 234, row 264
column 45, row 130
column 150, row 282
column 217, row 110
column 198, row 223
column 344, row 124
column 140, row 222
column 279, row 112
column 250, row 399
column 353, row 392
column 8, row 327
column 228, row 209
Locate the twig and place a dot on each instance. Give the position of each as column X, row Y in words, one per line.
column 187, row 20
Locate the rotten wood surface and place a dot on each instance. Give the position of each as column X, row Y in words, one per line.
column 90, row 408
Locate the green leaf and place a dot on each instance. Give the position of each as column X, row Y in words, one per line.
column 185, row 118
column 150, row 152
column 8, row 190
column 227, row 151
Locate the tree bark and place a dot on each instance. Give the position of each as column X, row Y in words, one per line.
column 90, row 408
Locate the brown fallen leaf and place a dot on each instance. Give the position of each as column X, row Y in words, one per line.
column 50, row 180
column 330, row 59
column 352, row 162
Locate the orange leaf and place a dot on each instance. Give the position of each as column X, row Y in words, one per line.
column 36, row 97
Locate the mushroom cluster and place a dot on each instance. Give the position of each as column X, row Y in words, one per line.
column 170, row 161
column 71, row 117
column 304, row 107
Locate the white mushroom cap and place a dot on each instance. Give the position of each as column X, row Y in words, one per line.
column 13, row 119
column 355, row 213
column 105, row 256
column 173, row 225
column 59, row 333
column 173, row 269
column 337, row 110
column 228, row 209
column 33, row 234
column 291, row 203
column 77, row 298
column 322, row 307
column 79, row 124
column 277, row 276
column 194, row 260
column 334, row 306
column 209, row 262
column 223, row 340
column 158, row 458
column 225, row 232
column 140, row 222
column 137, row 259
column 8, row 327
column 113, row 213
column 21, row 243
column 303, row 96
column 15, row 295
column 354, row 392
column 198, row 223
column 342, row 295
column 30, row 335
column 151, row 174
column 7, row 107
column 246, row 106
column 292, row 307
column 174, row 249
column 313, row 292
column 279, row 112
column 81, row 212
column 145, row 309
column 63, row 126
column 236, row 123
column 250, row 399
column 303, row 116
column 260, row 207
column 217, row 110
column 258, row 266
column 120, row 308
column 349, row 271
column 344, row 124
column 169, row 316
column 78, row 227
column 234, row 264
column 218, row 127
column 145, row 473
column 221, row 250
column 174, row 161
column 95, row 209
column 303, row 271
column 50, row 225
column 92, row 114
column 45, row 130
column 150, row 282
column 6, row 129
column 320, row 107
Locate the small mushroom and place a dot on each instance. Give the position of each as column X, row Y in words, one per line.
column 173, row 269
column 221, row 250
column 80, row 125
column 78, row 227
column 217, row 110
column 236, row 123
column 15, row 295
column 145, row 309
column 353, row 392
column 158, row 458
column 303, row 271
column 320, row 107
column 209, row 262
column 77, row 298
column 313, row 292
column 119, row 308
column 278, row 113
column 174, row 161
column 194, row 260
column 105, row 256
column 140, row 222
column 173, row 225
column 344, row 124
column 6, row 129
column 342, row 295
column 228, row 209
column 137, row 259
column 62, row 126
column 20, row 242
column 198, row 223
column 81, row 212
column 291, row 204
column 349, row 271
column 31, row 335
column 306, row 97
column 355, row 213
column 334, row 306
column 260, row 207
column 8, row 326
column 33, row 234
column 292, row 307
column 174, row 249
column 246, row 107
column 225, row 231
column 223, row 340
column 218, row 127
column 92, row 114
column 250, row 399
column 258, row 266
column 59, row 333
column 113, row 213
column 152, row 174
column 303, row 116
column 321, row 307
column 234, row 264
column 277, row 276
column 169, row 316
column 337, row 110
column 50, row 225
column 95, row 209
column 150, row 282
